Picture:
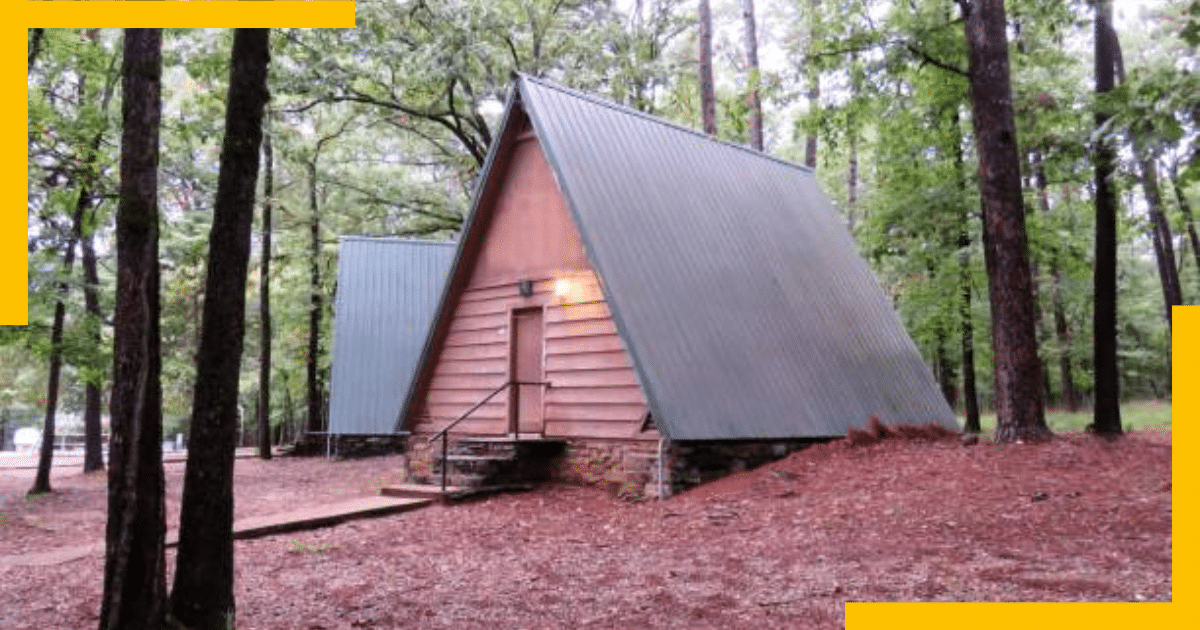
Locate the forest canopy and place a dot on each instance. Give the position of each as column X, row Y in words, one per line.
column 380, row 130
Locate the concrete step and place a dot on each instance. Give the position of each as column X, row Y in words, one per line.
column 420, row 491
column 506, row 439
column 484, row 491
column 452, row 493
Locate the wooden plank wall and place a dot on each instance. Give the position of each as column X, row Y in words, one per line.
column 594, row 391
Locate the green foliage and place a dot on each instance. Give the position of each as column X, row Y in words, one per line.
column 1191, row 28
column 395, row 116
column 1140, row 414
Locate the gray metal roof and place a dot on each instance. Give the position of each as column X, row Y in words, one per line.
column 388, row 291
column 741, row 298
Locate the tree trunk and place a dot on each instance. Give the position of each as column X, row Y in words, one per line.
column 947, row 379
column 1019, row 410
column 708, row 94
column 852, row 182
column 1185, row 208
column 134, row 582
column 754, row 78
column 35, row 47
column 264, row 306
column 289, row 416
column 814, row 87
column 1062, row 329
column 970, row 392
column 852, row 150
column 41, row 482
column 93, row 441
column 202, row 596
column 1107, row 408
column 93, row 459
column 313, row 422
column 93, row 447
column 1164, row 247
column 1147, row 173
column 966, row 325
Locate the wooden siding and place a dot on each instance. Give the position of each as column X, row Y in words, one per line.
column 594, row 391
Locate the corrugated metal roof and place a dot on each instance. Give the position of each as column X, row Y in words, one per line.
column 741, row 298
column 388, row 291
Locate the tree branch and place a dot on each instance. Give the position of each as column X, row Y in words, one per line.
column 927, row 58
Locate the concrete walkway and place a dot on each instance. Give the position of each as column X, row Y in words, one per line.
column 250, row 527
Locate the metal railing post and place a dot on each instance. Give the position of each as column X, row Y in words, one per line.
column 445, row 464
column 445, row 433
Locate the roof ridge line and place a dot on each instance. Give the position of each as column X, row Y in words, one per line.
column 595, row 100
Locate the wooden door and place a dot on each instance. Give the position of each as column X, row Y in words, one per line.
column 525, row 401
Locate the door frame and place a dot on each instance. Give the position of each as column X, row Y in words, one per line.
column 514, row 394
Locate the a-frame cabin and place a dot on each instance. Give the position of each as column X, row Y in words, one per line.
column 622, row 279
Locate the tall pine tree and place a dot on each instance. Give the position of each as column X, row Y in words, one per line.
column 134, row 581
column 202, row 595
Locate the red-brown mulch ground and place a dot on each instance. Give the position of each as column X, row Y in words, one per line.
column 785, row 545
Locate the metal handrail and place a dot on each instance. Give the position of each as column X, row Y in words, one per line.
column 445, row 432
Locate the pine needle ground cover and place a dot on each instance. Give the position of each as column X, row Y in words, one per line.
column 784, row 545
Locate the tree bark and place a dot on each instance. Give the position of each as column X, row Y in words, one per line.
column 1164, row 247
column 134, row 583
column 264, row 305
column 970, row 391
column 947, row 379
column 1185, row 208
column 1147, row 173
column 289, row 415
column 93, row 447
column 814, row 87
column 93, row 440
column 1107, row 408
column 202, row 595
column 41, row 481
column 1062, row 329
column 708, row 94
column 852, row 178
column 93, row 459
column 313, row 420
column 35, row 47
column 1018, row 379
column 754, row 78
column 966, row 325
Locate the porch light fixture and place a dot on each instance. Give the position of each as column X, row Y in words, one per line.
column 562, row 288
column 525, row 287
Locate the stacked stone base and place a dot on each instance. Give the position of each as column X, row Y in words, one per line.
column 491, row 463
column 352, row 446
column 694, row 463
column 627, row 468
column 347, row 446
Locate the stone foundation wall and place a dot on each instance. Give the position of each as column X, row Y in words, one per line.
column 418, row 466
column 694, row 463
column 347, row 446
column 628, row 468
column 351, row 446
